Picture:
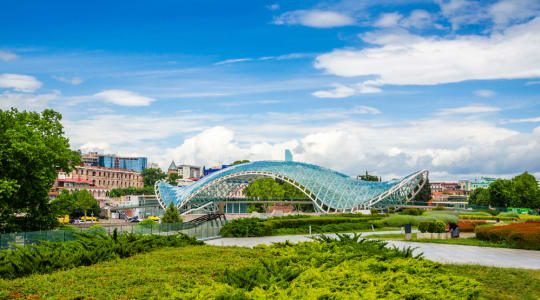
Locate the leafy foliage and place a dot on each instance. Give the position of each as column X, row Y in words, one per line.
column 520, row 191
column 476, row 217
column 75, row 204
column 424, row 194
column 171, row 215
column 87, row 250
column 172, row 179
column 33, row 148
column 151, row 175
column 269, row 188
column 238, row 162
column 147, row 190
column 400, row 220
column 346, row 267
column 412, row 212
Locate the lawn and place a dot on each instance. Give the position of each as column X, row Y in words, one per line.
column 164, row 272
column 461, row 241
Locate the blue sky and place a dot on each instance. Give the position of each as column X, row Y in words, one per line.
column 452, row 86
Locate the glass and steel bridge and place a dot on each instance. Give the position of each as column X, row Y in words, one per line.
column 330, row 191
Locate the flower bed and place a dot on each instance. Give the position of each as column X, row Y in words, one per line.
column 469, row 225
column 524, row 235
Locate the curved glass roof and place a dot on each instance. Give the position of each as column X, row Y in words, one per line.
column 328, row 189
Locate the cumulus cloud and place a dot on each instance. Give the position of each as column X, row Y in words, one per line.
column 7, row 56
column 25, row 101
column 431, row 60
column 485, row 93
column 343, row 91
column 388, row 20
column 73, row 81
column 418, row 18
column 124, row 98
column 20, row 83
column 314, row 18
column 470, row 109
column 508, row 11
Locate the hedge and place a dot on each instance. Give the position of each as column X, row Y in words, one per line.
column 400, row 220
column 437, row 226
column 524, row 235
column 469, row 225
column 476, row 217
column 295, row 223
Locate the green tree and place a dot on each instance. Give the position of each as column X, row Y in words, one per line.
column 265, row 188
column 172, row 178
column 425, row 193
column 527, row 192
column 502, row 193
column 480, row 197
column 64, row 204
column 368, row 177
column 32, row 150
column 86, row 201
column 151, row 175
column 171, row 215
column 237, row 162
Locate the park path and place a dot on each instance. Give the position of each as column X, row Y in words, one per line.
column 454, row 254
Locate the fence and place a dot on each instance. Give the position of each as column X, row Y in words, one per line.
column 201, row 231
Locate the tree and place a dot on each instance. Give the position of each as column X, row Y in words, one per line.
column 172, row 179
column 502, row 193
column 86, row 201
column 265, row 188
column 151, row 175
column 527, row 192
column 33, row 149
column 64, row 204
column 425, row 193
column 171, row 215
column 480, row 197
column 368, row 177
column 237, row 162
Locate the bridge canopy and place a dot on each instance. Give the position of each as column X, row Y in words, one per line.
column 330, row 191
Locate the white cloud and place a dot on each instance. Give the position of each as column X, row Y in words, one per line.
column 508, row 11
column 431, row 60
column 485, row 93
column 73, row 81
column 532, row 82
column 418, row 18
column 461, row 12
column 524, row 120
column 124, row 98
column 231, row 61
column 7, row 56
column 314, row 18
column 343, row 91
column 274, row 6
column 388, row 20
column 26, row 101
column 470, row 109
column 20, row 83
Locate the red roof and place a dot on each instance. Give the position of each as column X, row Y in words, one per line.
column 103, row 168
column 193, row 178
column 78, row 179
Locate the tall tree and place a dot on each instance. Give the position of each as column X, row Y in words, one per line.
column 368, row 177
column 527, row 192
column 151, row 175
column 64, row 204
column 172, row 179
column 171, row 215
column 425, row 193
column 86, row 201
column 238, row 162
column 480, row 197
column 32, row 150
column 502, row 193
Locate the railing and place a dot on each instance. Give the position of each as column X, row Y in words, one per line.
column 202, row 229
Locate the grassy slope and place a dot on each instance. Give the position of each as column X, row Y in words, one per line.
column 151, row 275
column 462, row 241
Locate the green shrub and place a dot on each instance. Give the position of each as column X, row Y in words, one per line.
column 509, row 214
column 401, row 220
column 491, row 212
column 424, row 226
column 88, row 249
column 146, row 222
column 248, row 227
column 439, row 227
column 476, row 217
column 440, row 208
column 474, row 213
column 96, row 229
column 343, row 268
column 411, row 212
column 374, row 212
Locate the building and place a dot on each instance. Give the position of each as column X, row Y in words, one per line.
column 288, row 155
column 172, row 168
column 443, row 186
column 106, row 177
column 90, row 158
column 471, row 185
column 112, row 161
column 188, row 171
column 76, row 184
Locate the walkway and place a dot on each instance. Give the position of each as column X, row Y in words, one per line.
column 455, row 254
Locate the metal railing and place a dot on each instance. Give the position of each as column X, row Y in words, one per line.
column 201, row 230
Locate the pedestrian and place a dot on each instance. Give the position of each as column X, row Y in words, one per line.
column 454, row 230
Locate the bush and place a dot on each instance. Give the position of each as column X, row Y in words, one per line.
column 401, row 220
column 469, row 225
column 424, row 226
column 88, row 249
column 411, row 212
column 248, row 227
column 509, row 214
column 440, row 208
column 146, row 222
column 523, row 235
column 374, row 212
column 474, row 213
column 342, row 268
column 96, row 229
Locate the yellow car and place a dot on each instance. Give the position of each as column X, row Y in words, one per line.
column 153, row 218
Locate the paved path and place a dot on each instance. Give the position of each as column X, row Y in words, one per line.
column 456, row 254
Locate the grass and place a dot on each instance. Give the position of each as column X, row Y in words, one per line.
column 462, row 241
column 159, row 273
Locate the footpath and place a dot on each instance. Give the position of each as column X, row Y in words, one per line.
column 453, row 254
